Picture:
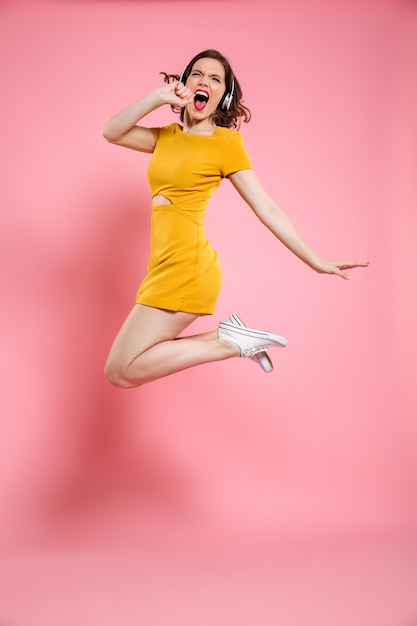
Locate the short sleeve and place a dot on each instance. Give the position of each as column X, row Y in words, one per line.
column 235, row 157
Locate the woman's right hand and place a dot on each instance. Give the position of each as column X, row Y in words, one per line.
column 123, row 129
column 177, row 94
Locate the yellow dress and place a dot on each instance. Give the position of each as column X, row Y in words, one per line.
column 184, row 273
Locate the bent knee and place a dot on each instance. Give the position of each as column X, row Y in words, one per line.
column 116, row 378
column 118, row 375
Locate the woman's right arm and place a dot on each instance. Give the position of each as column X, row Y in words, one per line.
column 122, row 128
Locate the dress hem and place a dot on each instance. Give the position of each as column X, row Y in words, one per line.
column 166, row 306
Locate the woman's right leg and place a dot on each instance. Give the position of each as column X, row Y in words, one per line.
column 147, row 347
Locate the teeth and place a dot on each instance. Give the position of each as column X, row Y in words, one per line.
column 201, row 93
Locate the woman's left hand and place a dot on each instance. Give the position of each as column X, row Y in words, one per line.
column 339, row 267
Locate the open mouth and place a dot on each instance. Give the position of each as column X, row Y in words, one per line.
column 200, row 99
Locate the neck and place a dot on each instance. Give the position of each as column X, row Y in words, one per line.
column 203, row 127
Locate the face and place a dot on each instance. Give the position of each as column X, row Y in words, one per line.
column 207, row 81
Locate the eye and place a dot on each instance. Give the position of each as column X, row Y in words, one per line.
column 216, row 78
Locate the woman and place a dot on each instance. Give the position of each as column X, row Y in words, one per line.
column 188, row 162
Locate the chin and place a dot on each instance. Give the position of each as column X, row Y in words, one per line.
column 203, row 115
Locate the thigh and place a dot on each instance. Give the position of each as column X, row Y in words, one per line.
column 144, row 327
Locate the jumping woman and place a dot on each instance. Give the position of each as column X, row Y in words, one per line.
column 188, row 162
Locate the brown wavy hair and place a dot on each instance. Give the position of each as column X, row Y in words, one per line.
column 228, row 118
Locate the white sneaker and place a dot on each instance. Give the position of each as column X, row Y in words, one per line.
column 262, row 358
column 249, row 340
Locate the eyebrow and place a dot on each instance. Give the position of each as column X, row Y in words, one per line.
column 212, row 74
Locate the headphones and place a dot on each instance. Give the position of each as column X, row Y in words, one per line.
column 227, row 98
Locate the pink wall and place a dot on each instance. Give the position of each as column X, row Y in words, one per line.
column 326, row 445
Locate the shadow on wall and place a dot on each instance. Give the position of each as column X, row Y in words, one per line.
column 91, row 451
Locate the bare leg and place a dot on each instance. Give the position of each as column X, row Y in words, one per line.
column 146, row 347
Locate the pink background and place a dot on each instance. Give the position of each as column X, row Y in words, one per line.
column 222, row 490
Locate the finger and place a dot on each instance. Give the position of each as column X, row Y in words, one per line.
column 182, row 102
column 179, row 85
column 187, row 99
column 337, row 268
column 182, row 91
column 342, row 274
column 344, row 265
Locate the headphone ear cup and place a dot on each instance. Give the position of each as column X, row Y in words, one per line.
column 228, row 98
column 227, row 101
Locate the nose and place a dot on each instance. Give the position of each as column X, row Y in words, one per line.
column 203, row 80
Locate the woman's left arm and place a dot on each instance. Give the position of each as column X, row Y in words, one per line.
column 251, row 190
